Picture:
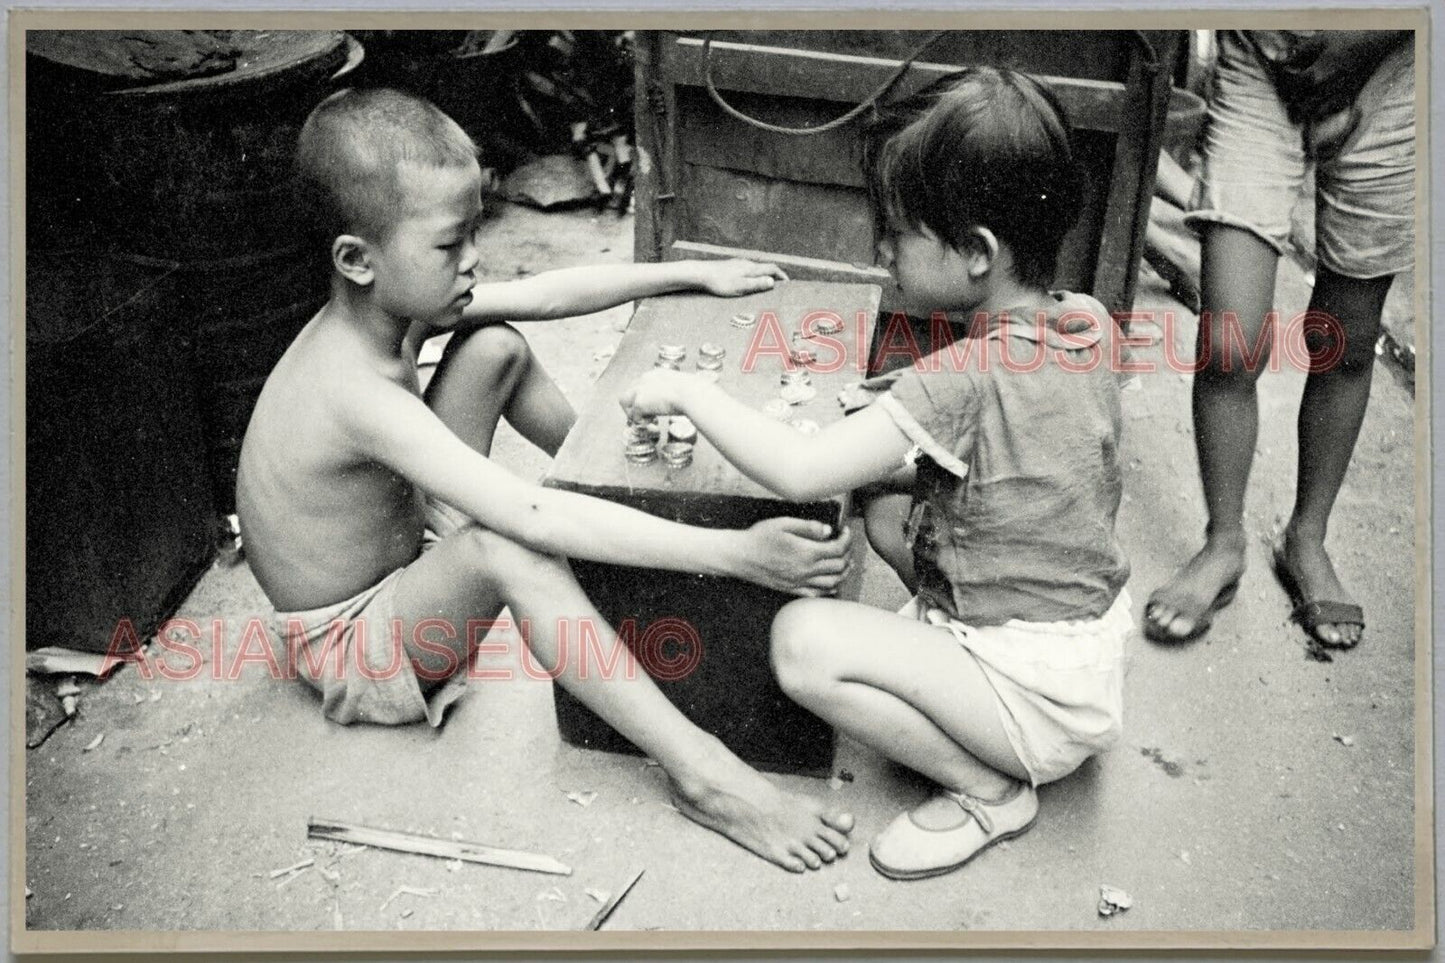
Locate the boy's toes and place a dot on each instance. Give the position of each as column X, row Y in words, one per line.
column 825, row 851
column 809, row 858
column 842, row 822
column 790, row 862
column 833, row 838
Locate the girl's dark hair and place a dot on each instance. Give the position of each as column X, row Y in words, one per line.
column 984, row 147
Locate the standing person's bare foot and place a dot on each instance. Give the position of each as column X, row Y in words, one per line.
column 1322, row 605
column 1183, row 608
column 797, row 833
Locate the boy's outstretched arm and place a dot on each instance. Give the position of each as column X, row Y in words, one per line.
column 395, row 428
column 862, row 448
column 568, row 292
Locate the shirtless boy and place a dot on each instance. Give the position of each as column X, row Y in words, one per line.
column 365, row 504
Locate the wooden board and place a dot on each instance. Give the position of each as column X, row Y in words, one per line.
column 592, row 457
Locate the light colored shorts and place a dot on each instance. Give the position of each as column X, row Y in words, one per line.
column 349, row 653
column 1255, row 158
column 1060, row 685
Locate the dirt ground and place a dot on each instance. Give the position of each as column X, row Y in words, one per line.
column 1255, row 787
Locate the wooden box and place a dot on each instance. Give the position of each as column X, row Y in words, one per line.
column 723, row 680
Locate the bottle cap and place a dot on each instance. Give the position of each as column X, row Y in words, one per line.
column 798, row 393
column 641, row 453
column 677, row 454
column 681, row 428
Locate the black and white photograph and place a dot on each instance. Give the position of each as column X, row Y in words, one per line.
column 670, row 481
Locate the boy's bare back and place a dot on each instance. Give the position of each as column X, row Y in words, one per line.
column 323, row 520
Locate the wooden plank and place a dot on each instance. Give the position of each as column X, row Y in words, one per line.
column 709, row 136
column 1136, row 157
column 845, row 78
column 737, row 209
column 592, row 456
column 648, row 212
column 1094, row 54
column 428, row 846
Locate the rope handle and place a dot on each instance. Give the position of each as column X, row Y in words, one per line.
column 836, row 122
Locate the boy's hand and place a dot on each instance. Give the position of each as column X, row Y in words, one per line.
column 795, row 556
column 657, row 392
column 736, row 277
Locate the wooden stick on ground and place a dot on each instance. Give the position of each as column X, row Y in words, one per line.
column 428, row 846
column 601, row 916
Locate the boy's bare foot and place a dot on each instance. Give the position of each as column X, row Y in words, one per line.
column 794, row 832
column 1306, row 564
column 1183, row 608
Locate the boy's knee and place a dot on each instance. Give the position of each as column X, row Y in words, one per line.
column 498, row 347
column 796, row 660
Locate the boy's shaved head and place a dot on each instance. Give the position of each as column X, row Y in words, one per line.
column 351, row 150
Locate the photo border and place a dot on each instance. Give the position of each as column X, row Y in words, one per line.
column 1421, row 937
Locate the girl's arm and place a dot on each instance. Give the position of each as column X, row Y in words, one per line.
column 569, row 292
column 862, row 448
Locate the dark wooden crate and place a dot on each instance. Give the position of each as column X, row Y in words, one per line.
column 717, row 187
column 731, row 691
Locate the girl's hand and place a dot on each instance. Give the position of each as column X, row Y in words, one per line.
column 736, row 277
column 658, row 392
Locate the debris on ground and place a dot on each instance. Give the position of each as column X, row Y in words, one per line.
column 429, row 846
column 600, row 895
column 548, row 182
column 1113, row 900
column 290, row 876
column 58, row 660
column 94, row 743
column 841, row 893
column 408, row 891
column 846, row 775
column 1344, row 740
column 554, row 895
column 1316, row 652
column 600, row 917
column 293, row 868
column 583, row 799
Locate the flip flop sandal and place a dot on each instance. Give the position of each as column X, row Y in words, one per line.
column 1202, row 622
column 1311, row 615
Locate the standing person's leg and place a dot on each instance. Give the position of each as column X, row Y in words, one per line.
column 1331, row 412
column 1253, row 167
column 472, row 573
column 1364, row 227
column 1237, row 290
column 491, row 373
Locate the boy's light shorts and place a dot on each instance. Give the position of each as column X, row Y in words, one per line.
column 1254, row 162
column 357, row 662
column 1060, row 685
